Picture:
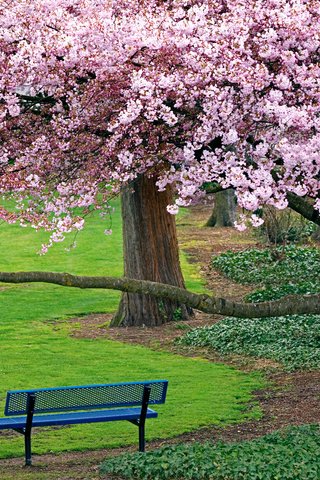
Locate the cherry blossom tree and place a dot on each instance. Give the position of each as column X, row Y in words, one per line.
column 96, row 95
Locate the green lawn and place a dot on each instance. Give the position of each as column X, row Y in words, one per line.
column 36, row 351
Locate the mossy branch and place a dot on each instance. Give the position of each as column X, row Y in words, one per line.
column 292, row 304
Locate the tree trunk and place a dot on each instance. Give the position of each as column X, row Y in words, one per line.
column 150, row 253
column 224, row 211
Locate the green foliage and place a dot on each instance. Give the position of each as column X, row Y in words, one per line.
column 291, row 454
column 278, row 291
column 271, row 266
column 283, row 271
column 293, row 340
column 177, row 314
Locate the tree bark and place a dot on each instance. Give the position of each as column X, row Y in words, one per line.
column 150, row 249
column 304, row 207
column 224, row 210
column 290, row 305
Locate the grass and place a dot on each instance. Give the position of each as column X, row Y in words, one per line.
column 37, row 350
column 293, row 453
column 95, row 254
column 199, row 394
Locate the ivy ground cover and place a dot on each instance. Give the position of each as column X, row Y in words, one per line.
column 292, row 340
column 37, row 348
column 291, row 454
column 280, row 271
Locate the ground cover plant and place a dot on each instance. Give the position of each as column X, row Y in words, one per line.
column 290, row 454
column 293, row 340
column 278, row 291
column 38, row 349
column 281, row 271
column 268, row 266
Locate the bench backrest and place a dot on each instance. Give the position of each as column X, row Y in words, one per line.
column 85, row 397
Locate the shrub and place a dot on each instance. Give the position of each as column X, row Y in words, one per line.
column 291, row 454
column 283, row 226
column 293, row 340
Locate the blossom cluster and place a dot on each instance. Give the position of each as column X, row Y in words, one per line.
column 94, row 93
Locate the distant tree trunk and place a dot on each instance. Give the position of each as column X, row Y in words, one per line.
column 316, row 234
column 224, row 211
column 150, row 253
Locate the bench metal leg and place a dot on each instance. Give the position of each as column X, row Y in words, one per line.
column 27, row 444
column 142, row 420
column 27, row 432
column 142, row 442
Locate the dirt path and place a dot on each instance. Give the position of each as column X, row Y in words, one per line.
column 291, row 399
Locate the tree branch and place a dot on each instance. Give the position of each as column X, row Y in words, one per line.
column 302, row 206
column 292, row 304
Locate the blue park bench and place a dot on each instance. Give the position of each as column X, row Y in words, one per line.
column 83, row 404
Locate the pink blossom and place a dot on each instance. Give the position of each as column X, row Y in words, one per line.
column 173, row 209
column 256, row 221
column 94, row 94
column 241, row 227
column 14, row 110
column 230, row 137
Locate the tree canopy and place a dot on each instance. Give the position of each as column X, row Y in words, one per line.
column 94, row 93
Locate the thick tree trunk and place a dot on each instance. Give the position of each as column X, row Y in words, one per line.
column 150, row 253
column 224, row 211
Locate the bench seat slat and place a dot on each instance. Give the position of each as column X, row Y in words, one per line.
column 77, row 417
